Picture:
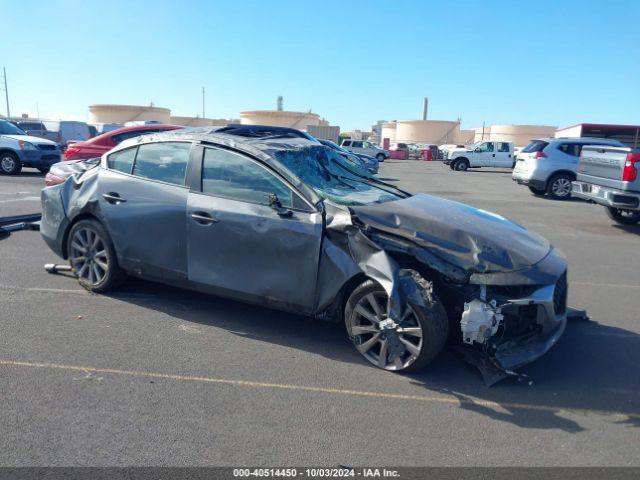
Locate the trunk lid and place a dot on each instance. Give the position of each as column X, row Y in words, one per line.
column 603, row 165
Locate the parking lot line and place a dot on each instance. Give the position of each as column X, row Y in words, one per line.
column 305, row 388
column 612, row 285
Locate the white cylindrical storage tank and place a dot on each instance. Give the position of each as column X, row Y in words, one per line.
column 278, row 118
column 200, row 122
column 427, row 131
column 127, row 113
column 388, row 130
column 520, row 135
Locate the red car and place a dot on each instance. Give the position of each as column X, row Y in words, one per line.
column 96, row 146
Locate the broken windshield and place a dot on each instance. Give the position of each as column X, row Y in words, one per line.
column 333, row 178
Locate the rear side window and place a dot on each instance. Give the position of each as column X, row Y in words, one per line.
column 503, row 147
column 230, row 175
column 486, row 147
column 535, row 146
column 357, row 144
column 122, row 161
column 346, row 143
column 572, row 149
column 165, row 161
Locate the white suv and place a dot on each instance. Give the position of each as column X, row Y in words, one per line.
column 549, row 165
column 366, row 148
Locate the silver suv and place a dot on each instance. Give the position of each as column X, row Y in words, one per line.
column 548, row 165
column 366, row 148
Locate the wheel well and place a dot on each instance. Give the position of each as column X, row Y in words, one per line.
column 8, row 150
column 459, row 159
column 76, row 219
column 557, row 172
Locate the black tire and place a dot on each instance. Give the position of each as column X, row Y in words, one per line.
column 554, row 184
column 113, row 274
column 10, row 163
column 539, row 192
column 432, row 319
column 44, row 170
column 380, row 157
column 462, row 165
column 623, row 217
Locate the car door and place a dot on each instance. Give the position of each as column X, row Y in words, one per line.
column 504, row 156
column 143, row 199
column 484, row 155
column 241, row 246
column 356, row 147
column 568, row 157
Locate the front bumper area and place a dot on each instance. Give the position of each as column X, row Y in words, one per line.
column 39, row 158
column 606, row 196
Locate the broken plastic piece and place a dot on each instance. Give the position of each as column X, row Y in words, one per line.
column 577, row 314
column 56, row 268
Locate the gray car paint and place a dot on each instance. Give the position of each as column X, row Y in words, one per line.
column 306, row 263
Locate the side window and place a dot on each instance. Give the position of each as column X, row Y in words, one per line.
column 572, row 149
column 346, row 143
column 230, row 175
column 164, row 161
column 122, row 161
column 503, row 147
column 486, row 147
column 357, row 144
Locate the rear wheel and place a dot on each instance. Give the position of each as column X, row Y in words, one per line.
column 10, row 163
column 537, row 191
column 407, row 345
column 623, row 217
column 93, row 258
column 559, row 186
column 380, row 157
column 462, row 165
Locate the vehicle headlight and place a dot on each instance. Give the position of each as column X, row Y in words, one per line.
column 26, row 145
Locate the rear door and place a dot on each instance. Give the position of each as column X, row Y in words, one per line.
column 143, row 198
column 504, row 155
column 242, row 247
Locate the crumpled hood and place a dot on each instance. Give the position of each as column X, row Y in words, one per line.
column 472, row 239
column 30, row 139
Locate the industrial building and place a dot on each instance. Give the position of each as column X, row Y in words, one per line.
column 627, row 134
column 128, row 113
column 436, row 132
column 520, row 135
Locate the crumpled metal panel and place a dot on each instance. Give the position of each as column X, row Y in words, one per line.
column 470, row 238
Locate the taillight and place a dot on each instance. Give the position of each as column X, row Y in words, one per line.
column 630, row 171
column 70, row 151
column 540, row 155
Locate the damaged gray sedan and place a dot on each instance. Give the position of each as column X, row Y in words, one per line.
column 284, row 222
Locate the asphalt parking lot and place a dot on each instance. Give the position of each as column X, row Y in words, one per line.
column 152, row 375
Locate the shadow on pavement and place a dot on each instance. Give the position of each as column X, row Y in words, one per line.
column 594, row 367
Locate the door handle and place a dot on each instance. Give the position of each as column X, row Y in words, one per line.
column 493, row 155
column 203, row 218
column 113, row 198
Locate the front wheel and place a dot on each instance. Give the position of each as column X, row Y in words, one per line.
column 623, row 217
column 92, row 257
column 462, row 165
column 10, row 163
column 408, row 345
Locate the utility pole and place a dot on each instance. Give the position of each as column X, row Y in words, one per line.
column 202, row 102
column 6, row 91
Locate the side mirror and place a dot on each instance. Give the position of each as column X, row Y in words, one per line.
column 274, row 202
column 478, row 150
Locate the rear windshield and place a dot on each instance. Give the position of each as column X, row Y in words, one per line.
column 535, row 146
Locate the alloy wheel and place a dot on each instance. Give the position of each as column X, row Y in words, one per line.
column 561, row 187
column 8, row 163
column 88, row 256
column 382, row 341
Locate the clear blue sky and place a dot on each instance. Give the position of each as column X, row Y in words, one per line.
column 354, row 62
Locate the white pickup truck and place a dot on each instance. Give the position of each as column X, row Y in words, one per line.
column 480, row 154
